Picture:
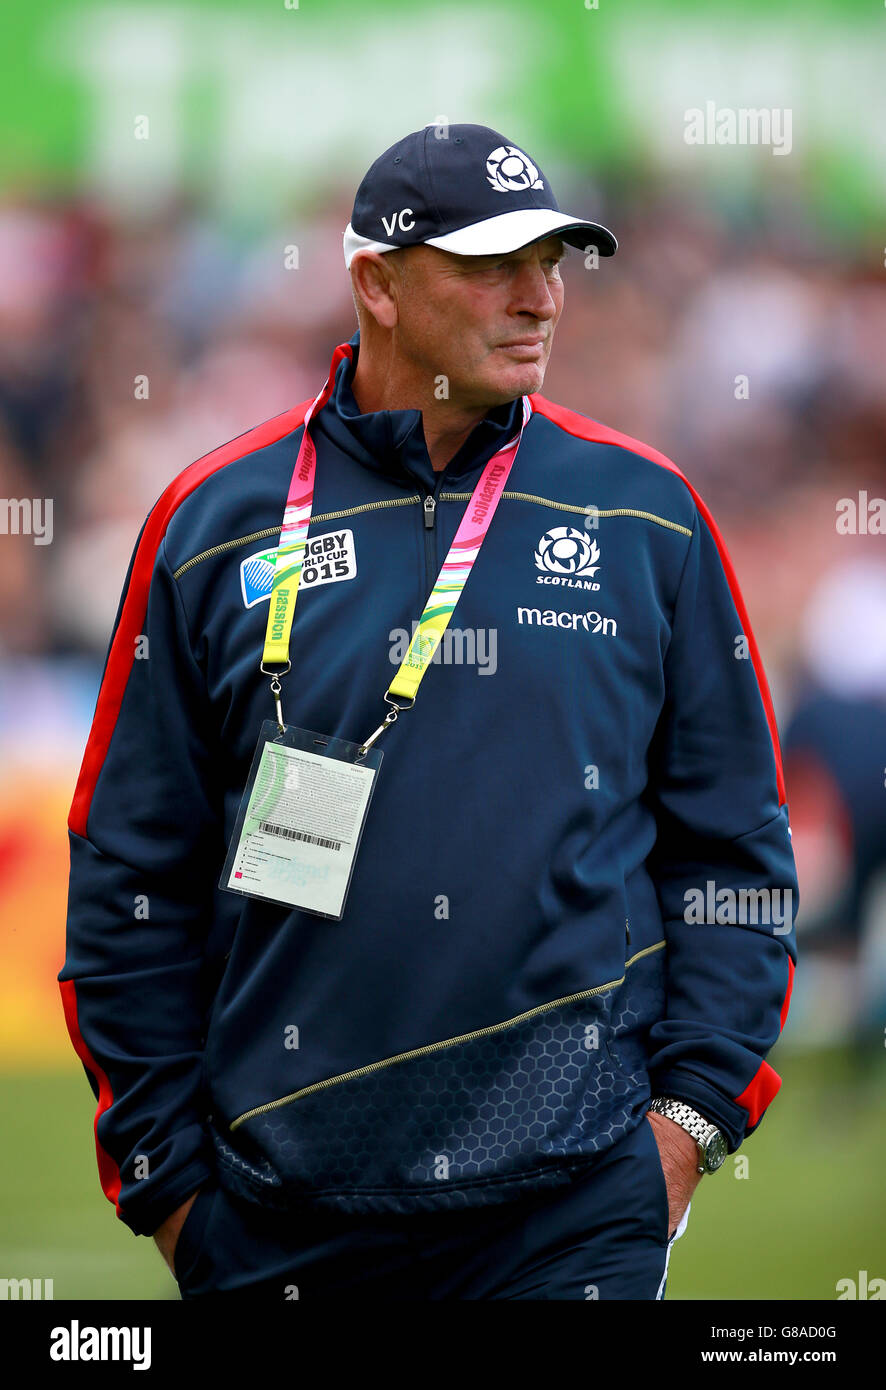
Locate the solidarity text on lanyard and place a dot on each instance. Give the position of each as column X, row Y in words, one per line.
column 447, row 589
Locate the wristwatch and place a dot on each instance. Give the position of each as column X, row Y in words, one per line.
column 710, row 1140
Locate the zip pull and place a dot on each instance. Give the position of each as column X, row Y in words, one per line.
column 627, row 931
column 430, row 506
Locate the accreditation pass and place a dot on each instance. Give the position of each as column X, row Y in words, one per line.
column 301, row 820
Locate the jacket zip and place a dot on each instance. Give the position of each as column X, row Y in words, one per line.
column 429, row 511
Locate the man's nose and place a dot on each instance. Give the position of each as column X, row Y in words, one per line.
column 532, row 292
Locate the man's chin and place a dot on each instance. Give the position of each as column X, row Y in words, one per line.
column 511, row 379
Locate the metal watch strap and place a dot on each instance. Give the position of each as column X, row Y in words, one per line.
column 701, row 1130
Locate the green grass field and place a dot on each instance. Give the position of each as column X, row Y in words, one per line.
column 811, row 1210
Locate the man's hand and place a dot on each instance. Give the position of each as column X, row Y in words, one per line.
column 166, row 1235
column 679, row 1160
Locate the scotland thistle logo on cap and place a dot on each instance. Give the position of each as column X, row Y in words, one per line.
column 509, row 170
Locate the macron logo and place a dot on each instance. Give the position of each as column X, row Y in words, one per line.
column 573, row 622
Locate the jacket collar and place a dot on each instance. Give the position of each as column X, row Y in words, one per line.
column 392, row 442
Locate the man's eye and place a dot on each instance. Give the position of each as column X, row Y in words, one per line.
column 552, row 261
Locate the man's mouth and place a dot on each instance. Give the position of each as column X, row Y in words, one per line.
column 528, row 348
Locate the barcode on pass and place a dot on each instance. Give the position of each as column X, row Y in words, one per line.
column 285, row 834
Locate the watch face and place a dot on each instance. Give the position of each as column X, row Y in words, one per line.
column 715, row 1153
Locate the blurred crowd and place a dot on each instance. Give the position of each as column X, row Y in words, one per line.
column 745, row 342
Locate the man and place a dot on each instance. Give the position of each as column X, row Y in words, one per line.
column 574, row 890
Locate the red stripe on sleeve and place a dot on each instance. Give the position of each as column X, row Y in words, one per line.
column 109, row 1173
column 787, row 995
column 110, row 696
column 756, row 1096
column 760, row 1091
column 766, row 1083
column 122, row 653
column 584, row 428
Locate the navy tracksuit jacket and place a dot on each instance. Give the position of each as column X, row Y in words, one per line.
column 516, row 971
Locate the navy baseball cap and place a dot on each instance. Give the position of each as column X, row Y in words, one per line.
column 465, row 189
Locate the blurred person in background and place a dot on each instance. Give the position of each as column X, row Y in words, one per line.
column 835, row 771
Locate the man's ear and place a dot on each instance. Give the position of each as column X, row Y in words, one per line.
column 376, row 285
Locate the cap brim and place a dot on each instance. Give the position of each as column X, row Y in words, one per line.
column 511, row 230
column 353, row 242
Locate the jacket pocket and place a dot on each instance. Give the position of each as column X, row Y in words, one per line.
column 189, row 1244
column 489, row 1108
column 659, row 1182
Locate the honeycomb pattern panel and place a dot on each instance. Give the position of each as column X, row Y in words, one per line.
column 489, row 1111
